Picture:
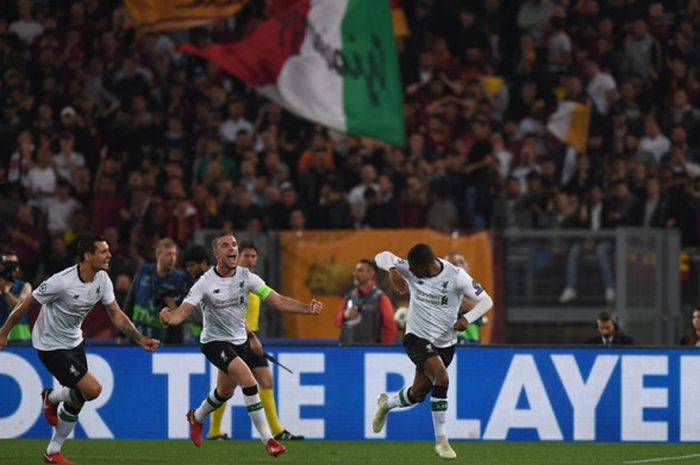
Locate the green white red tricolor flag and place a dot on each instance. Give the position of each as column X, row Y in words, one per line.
column 333, row 62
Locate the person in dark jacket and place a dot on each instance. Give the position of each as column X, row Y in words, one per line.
column 609, row 333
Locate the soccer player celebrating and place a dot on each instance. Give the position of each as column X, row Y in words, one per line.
column 434, row 319
column 255, row 360
column 65, row 299
column 222, row 293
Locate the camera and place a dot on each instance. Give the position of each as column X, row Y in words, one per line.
column 8, row 271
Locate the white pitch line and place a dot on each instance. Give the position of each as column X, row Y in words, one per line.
column 664, row 459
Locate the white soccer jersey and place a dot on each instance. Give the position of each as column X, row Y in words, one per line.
column 435, row 302
column 224, row 302
column 65, row 301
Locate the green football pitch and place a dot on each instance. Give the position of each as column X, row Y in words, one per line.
column 106, row 452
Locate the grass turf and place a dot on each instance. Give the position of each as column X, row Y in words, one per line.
column 175, row 452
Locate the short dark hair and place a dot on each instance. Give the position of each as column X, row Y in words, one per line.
column 195, row 253
column 215, row 241
column 86, row 244
column 421, row 254
column 247, row 245
column 369, row 263
column 605, row 316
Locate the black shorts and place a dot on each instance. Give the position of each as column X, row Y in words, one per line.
column 221, row 353
column 419, row 350
column 254, row 361
column 68, row 366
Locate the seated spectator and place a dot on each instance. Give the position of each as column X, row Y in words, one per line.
column 609, row 333
column 692, row 339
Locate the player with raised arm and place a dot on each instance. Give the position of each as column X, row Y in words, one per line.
column 255, row 359
column 222, row 294
column 66, row 298
column 434, row 319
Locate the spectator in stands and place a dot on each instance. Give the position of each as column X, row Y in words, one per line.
column 59, row 208
column 591, row 216
column 366, row 315
column 26, row 28
column 356, row 197
column 692, row 339
column 652, row 210
column 24, row 237
column 609, row 333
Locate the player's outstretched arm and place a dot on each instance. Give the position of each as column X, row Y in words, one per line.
column 124, row 324
column 18, row 312
column 287, row 304
column 176, row 317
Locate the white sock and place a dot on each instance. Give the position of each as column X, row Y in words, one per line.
column 61, row 394
column 438, row 408
column 399, row 400
column 208, row 405
column 257, row 414
column 66, row 423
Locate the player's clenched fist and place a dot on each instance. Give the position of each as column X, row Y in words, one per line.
column 315, row 307
column 165, row 316
column 149, row 344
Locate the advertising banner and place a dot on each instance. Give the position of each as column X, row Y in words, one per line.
column 548, row 394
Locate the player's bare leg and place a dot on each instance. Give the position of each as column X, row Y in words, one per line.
column 435, row 370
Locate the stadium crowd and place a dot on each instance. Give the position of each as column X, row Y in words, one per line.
column 105, row 130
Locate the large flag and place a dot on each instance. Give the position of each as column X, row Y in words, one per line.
column 164, row 15
column 331, row 61
column 570, row 124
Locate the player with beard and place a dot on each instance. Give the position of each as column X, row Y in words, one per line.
column 65, row 298
column 222, row 292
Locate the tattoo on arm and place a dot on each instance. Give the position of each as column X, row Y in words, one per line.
column 130, row 330
column 122, row 322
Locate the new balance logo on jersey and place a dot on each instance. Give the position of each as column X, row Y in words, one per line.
column 76, row 296
column 98, row 289
column 444, row 285
column 223, row 356
column 74, row 371
column 240, row 285
column 241, row 300
column 443, row 300
column 216, row 291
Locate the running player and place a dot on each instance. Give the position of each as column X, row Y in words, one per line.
column 65, row 299
column 434, row 319
column 222, row 292
column 255, row 360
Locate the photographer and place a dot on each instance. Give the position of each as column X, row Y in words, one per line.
column 366, row 316
column 13, row 290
